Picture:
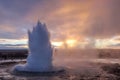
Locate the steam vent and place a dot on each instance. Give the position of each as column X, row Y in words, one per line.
column 40, row 52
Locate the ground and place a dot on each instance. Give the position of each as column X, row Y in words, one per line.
column 78, row 65
column 88, row 71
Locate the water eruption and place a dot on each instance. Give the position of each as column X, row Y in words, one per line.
column 40, row 51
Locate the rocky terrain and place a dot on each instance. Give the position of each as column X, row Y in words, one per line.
column 98, row 72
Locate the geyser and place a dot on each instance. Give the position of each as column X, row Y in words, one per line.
column 40, row 51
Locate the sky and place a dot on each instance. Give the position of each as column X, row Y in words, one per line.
column 81, row 23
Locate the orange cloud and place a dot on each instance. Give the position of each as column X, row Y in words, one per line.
column 65, row 19
column 74, row 19
column 7, row 28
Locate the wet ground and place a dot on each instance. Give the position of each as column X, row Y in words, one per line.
column 79, row 71
column 77, row 65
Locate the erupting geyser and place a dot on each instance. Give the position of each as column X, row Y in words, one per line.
column 40, row 51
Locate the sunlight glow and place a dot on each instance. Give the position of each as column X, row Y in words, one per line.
column 13, row 41
column 57, row 44
column 71, row 42
column 105, row 43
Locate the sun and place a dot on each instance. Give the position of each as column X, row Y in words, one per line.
column 57, row 44
column 71, row 42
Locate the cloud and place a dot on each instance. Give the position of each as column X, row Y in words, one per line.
column 65, row 19
column 15, row 46
column 12, row 13
column 114, row 46
column 12, row 32
column 104, row 19
column 13, row 43
column 14, row 10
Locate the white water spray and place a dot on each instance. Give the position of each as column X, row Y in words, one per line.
column 40, row 51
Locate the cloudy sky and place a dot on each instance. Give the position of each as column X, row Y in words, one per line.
column 80, row 20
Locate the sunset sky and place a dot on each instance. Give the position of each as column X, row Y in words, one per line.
column 78, row 23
